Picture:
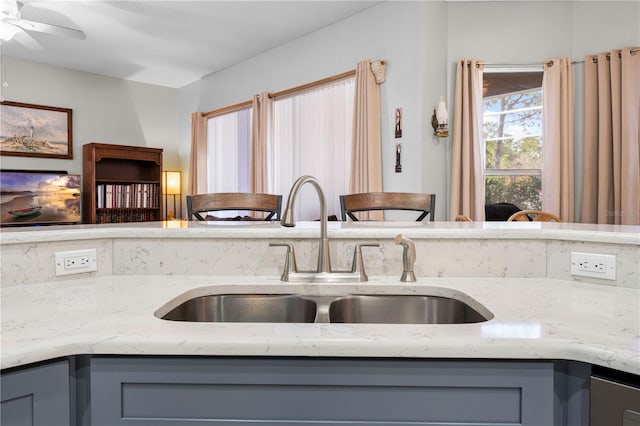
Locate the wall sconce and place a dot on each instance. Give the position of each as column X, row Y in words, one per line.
column 440, row 120
column 172, row 185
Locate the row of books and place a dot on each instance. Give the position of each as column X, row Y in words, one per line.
column 134, row 195
column 121, row 216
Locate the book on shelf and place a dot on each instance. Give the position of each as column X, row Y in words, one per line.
column 136, row 195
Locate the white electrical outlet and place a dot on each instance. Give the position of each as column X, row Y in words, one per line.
column 593, row 265
column 76, row 262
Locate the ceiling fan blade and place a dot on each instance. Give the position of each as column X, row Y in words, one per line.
column 26, row 40
column 51, row 29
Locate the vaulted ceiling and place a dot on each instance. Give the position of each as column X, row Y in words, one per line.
column 168, row 43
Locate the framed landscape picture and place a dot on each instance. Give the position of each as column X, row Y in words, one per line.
column 28, row 130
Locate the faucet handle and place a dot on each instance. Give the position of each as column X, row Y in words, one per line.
column 290, row 260
column 357, row 265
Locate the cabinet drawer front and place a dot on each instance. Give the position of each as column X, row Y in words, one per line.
column 319, row 391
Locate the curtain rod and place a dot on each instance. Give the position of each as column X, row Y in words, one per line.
column 594, row 58
column 316, row 84
column 286, row 92
column 312, row 85
column 227, row 109
column 513, row 64
column 633, row 51
column 282, row 93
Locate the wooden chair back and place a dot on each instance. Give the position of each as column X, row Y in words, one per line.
column 537, row 215
column 423, row 203
column 202, row 203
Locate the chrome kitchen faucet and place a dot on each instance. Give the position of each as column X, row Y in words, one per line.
column 323, row 272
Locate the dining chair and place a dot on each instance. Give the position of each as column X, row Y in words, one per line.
column 423, row 203
column 203, row 203
column 533, row 215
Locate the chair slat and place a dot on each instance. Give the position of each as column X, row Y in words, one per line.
column 424, row 203
column 200, row 203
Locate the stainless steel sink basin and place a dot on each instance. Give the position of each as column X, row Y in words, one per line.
column 398, row 309
column 354, row 308
column 245, row 308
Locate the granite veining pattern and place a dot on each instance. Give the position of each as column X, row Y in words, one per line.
column 534, row 318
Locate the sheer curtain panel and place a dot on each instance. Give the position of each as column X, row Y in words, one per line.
column 228, row 152
column 198, row 158
column 366, row 151
column 312, row 136
column 611, row 178
column 557, row 139
column 467, row 181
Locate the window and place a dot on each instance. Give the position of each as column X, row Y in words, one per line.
column 512, row 136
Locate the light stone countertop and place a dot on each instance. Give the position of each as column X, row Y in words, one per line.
column 617, row 234
column 534, row 318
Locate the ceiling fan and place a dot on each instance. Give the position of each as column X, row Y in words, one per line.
column 11, row 24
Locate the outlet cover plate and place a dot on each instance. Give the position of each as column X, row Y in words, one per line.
column 593, row 265
column 76, row 262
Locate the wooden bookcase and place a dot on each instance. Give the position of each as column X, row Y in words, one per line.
column 121, row 183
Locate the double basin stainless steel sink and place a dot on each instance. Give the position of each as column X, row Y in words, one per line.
column 355, row 308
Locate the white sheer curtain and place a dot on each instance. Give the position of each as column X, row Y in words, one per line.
column 228, row 139
column 312, row 136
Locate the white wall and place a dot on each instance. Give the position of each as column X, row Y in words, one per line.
column 105, row 109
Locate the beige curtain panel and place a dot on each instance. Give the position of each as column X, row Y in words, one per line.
column 467, row 182
column 557, row 136
column 366, row 153
column 260, row 125
column 198, row 158
column 611, row 177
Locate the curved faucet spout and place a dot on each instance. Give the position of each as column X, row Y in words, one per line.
column 324, row 262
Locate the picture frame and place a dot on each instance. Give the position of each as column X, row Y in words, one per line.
column 29, row 130
column 39, row 197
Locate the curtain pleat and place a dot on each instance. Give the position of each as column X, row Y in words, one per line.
column 198, row 157
column 366, row 152
column 557, row 139
column 611, row 178
column 467, row 159
column 260, row 131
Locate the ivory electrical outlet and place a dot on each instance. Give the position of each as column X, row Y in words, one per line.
column 593, row 265
column 76, row 262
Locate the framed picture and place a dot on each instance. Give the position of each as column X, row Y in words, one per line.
column 35, row 131
column 39, row 197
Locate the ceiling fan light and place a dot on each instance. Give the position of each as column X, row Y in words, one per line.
column 7, row 31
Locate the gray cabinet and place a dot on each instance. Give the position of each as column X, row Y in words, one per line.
column 36, row 395
column 317, row 391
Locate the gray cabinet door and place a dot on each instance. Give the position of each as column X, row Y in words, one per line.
column 36, row 396
column 311, row 391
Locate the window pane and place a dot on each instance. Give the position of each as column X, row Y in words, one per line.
column 516, row 123
column 523, row 191
column 512, row 136
column 523, row 153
